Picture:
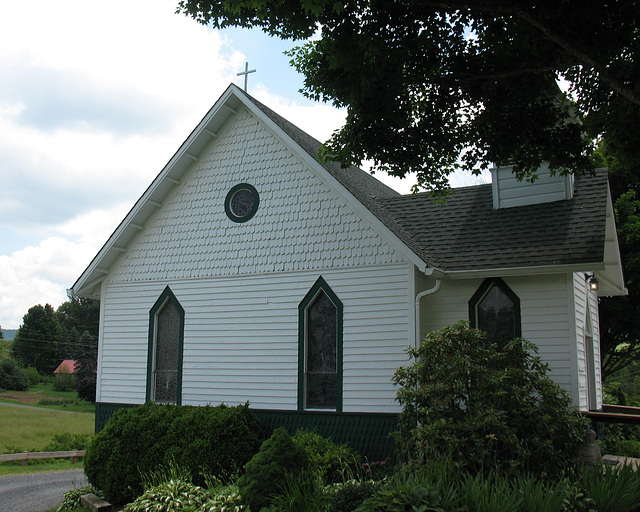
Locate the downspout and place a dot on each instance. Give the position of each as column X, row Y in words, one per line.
column 419, row 297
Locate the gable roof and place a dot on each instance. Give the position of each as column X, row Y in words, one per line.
column 66, row 366
column 464, row 235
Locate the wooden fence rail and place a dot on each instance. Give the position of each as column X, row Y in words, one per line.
column 25, row 457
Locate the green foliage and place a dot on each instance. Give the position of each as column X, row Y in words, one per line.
column 71, row 500
column 620, row 316
column 278, row 460
column 67, row 441
column 488, row 408
column 80, row 314
column 12, row 376
column 302, row 492
column 33, row 376
column 430, row 87
column 217, row 440
column 612, row 489
column 224, row 500
column 489, row 494
column 429, row 488
column 86, row 357
column 37, row 339
column 64, row 380
column 172, row 496
column 540, row 496
column 349, row 495
column 333, row 461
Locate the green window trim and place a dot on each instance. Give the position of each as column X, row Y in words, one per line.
column 320, row 286
column 166, row 296
column 253, row 199
column 481, row 293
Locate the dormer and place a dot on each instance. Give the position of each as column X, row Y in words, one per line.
column 509, row 192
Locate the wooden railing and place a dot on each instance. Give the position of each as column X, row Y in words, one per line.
column 615, row 414
column 25, row 457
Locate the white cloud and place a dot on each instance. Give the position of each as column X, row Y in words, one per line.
column 41, row 273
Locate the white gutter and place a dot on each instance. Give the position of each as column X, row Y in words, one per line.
column 419, row 297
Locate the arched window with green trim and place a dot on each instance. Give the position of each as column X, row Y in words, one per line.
column 164, row 360
column 495, row 309
column 320, row 349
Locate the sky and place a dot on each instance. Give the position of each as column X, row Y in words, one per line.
column 95, row 97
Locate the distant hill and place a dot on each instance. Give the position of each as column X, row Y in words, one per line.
column 9, row 334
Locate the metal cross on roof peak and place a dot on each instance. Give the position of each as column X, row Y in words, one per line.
column 246, row 73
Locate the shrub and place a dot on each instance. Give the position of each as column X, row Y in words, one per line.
column 12, row 376
column 33, row 376
column 333, row 461
column 348, row 495
column 217, row 440
column 66, row 441
column 86, row 388
column 268, row 471
column 64, row 380
column 490, row 408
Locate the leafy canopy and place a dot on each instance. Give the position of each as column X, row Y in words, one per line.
column 431, row 86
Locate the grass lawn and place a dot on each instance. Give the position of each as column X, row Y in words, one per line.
column 45, row 396
column 58, row 465
column 26, row 429
column 33, row 428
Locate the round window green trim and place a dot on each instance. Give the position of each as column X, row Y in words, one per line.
column 253, row 208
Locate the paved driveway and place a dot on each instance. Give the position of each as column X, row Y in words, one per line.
column 37, row 492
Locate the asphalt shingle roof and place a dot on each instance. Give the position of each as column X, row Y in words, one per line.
column 468, row 234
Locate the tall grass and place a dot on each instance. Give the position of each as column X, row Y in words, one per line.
column 24, row 429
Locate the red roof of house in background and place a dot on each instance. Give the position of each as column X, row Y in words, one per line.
column 67, row 364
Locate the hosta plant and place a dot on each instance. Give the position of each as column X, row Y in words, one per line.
column 71, row 500
column 171, row 496
column 228, row 501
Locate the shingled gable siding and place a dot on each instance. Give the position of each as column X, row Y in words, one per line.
column 545, row 302
column 240, row 284
column 300, row 224
column 581, row 292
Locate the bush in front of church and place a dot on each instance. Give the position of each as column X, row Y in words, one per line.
column 486, row 407
column 279, row 461
column 204, row 440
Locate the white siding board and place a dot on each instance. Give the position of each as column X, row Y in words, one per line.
column 544, row 303
column 241, row 336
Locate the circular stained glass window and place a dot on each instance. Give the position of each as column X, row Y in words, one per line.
column 241, row 203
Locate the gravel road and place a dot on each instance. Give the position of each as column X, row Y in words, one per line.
column 37, row 492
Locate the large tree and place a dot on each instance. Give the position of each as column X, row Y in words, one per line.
column 620, row 316
column 431, row 86
column 77, row 316
column 37, row 339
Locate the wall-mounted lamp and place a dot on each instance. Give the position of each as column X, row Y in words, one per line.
column 591, row 279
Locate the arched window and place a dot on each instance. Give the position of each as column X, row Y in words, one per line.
column 164, row 361
column 495, row 309
column 320, row 349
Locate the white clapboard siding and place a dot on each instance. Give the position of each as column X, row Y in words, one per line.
column 544, row 307
column 301, row 224
column 583, row 299
column 241, row 337
column 509, row 192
